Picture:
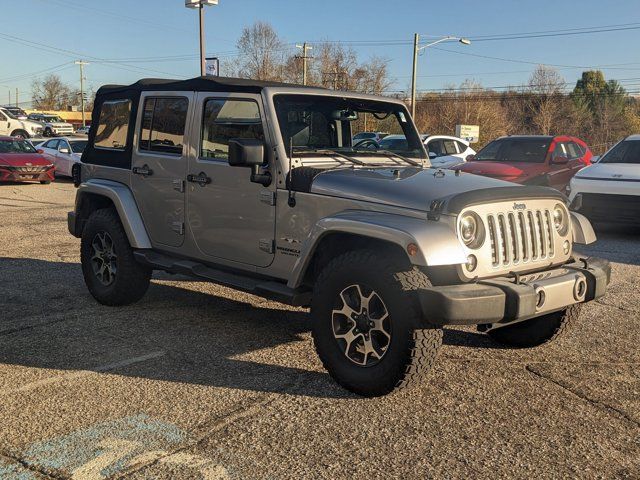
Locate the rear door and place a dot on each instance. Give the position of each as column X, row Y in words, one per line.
column 231, row 218
column 159, row 163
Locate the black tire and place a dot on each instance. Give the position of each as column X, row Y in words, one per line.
column 45, row 182
column 537, row 331
column 131, row 279
column 412, row 348
column 20, row 134
column 47, row 132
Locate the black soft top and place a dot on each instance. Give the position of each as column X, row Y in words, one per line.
column 205, row 84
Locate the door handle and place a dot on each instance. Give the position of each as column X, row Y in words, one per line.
column 201, row 179
column 145, row 171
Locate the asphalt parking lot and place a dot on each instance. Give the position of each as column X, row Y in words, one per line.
column 199, row 381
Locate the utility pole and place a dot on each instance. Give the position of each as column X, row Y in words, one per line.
column 304, row 58
column 203, row 63
column 82, row 64
column 17, row 103
column 416, row 42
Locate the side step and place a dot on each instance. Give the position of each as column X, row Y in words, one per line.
column 264, row 288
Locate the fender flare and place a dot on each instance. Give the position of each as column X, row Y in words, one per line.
column 582, row 229
column 122, row 198
column 437, row 242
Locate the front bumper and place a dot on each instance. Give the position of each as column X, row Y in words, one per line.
column 26, row 176
column 505, row 300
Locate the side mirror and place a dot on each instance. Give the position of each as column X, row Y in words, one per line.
column 470, row 158
column 433, row 155
column 65, row 150
column 249, row 152
column 40, row 151
column 559, row 160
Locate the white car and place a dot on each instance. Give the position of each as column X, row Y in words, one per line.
column 12, row 126
column 83, row 130
column 445, row 151
column 64, row 153
column 52, row 124
column 609, row 191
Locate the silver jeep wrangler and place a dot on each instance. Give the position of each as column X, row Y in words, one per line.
column 259, row 186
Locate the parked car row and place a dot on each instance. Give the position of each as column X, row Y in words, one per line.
column 15, row 122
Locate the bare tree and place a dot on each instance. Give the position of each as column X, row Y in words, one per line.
column 261, row 53
column 545, row 97
column 51, row 93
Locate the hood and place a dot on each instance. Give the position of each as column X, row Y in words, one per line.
column 412, row 188
column 21, row 159
column 611, row 171
column 499, row 169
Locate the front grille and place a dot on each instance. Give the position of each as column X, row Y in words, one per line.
column 29, row 169
column 520, row 237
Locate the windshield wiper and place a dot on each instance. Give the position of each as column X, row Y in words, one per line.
column 389, row 153
column 326, row 151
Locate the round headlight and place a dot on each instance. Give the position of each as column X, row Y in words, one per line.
column 471, row 230
column 560, row 219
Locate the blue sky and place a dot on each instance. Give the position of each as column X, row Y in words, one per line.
column 141, row 34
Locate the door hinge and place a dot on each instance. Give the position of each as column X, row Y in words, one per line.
column 178, row 227
column 267, row 197
column 178, row 185
column 267, row 245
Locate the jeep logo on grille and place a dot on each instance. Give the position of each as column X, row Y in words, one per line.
column 519, row 206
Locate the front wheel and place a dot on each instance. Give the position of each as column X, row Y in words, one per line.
column 367, row 326
column 538, row 330
column 110, row 270
column 21, row 134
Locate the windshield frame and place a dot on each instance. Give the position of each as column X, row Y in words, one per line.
column 397, row 106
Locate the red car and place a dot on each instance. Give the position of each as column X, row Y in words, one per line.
column 20, row 162
column 531, row 160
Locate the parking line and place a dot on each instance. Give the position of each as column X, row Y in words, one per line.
column 83, row 373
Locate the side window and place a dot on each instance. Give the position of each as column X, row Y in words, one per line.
column 2, row 117
column 435, row 147
column 52, row 144
column 575, row 150
column 561, row 151
column 163, row 125
column 449, row 147
column 461, row 147
column 226, row 119
column 113, row 125
column 64, row 144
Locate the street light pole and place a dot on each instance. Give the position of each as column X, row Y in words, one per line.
column 416, row 50
column 200, row 4
column 203, row 65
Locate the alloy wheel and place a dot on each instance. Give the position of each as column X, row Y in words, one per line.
column 361, row 325
column 103, row 258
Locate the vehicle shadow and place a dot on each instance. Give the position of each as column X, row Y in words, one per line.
column 50, row 321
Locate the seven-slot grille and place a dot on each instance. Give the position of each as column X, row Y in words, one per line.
column 520, row 237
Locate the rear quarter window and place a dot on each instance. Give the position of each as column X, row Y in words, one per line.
column 113, row 125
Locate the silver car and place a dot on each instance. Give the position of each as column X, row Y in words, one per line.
column 258, row 186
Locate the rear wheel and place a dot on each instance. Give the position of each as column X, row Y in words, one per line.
column 367, row 325
column 539, row 330
column 110, row 271
column 20, row 134
column 45, row 182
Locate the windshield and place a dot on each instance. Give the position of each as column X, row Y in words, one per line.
column 313, row 124
column 529, row 150
column 53, row 118
column 364, row 135
column 624, row 152
column 15, row 113
column 78, row 147
column 393, row 144
column 16, row 146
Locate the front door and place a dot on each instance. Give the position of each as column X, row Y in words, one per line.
column 560, row 173
column 159, row 164
column 231, row 218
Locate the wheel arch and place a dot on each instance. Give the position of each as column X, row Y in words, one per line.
column 97, row 194
column 437, row 243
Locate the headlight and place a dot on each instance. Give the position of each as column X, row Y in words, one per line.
column 560, row 219
column 471, row 230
